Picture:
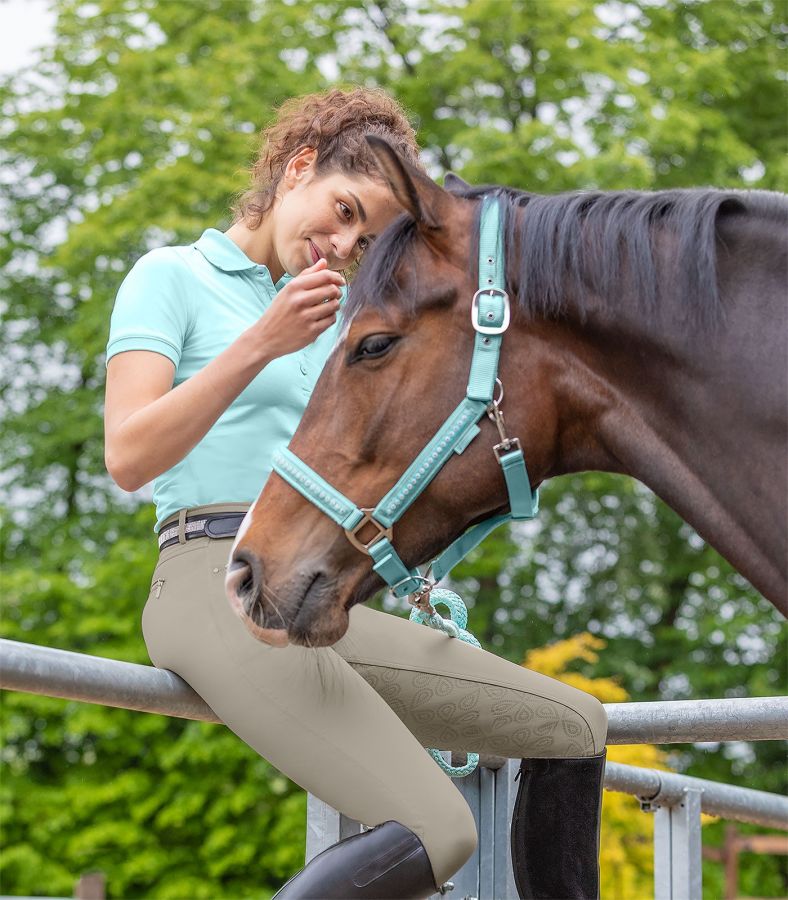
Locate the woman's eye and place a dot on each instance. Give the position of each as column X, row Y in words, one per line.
column 347, row 214
column 374, row 346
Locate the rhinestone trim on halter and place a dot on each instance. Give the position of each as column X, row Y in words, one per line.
column 397, row 501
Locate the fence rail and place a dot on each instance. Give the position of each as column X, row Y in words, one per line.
column 94, row 679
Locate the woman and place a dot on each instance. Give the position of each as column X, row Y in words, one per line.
column 213, row 352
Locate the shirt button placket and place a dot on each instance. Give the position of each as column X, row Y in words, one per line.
column 305, row 386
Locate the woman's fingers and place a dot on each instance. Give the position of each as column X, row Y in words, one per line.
column 309, row 279
column 316, row 296
column 323, row 310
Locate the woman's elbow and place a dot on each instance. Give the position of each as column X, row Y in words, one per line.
column 122, row 472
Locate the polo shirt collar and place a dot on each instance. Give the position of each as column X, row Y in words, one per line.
column 222, row 252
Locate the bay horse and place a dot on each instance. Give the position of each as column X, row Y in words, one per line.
column 648, row 337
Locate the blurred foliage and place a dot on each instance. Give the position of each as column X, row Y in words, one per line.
column 133, row 131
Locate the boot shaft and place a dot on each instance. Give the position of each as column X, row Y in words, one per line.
column 555, row 828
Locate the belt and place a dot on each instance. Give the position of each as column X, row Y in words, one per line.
column 216, row 526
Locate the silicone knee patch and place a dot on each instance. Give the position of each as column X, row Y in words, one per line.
column 455, row 713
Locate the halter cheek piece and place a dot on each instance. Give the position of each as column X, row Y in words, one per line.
column 490, row 319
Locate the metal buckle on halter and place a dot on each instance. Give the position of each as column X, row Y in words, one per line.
column 382, row 532
column 495, row 413
column 490, row 329
column 506, row 446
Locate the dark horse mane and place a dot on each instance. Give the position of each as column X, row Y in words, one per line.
column 576, row 241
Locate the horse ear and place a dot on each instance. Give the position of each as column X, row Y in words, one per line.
column 454, row 183
column 413, row 190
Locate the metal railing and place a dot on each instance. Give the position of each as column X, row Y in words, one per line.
column 677, row 800
column 95, row 679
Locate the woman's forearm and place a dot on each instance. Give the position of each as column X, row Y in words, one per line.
column 156, row 437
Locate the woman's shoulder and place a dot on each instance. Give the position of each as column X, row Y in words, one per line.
column 167, row 269
column 160, row 260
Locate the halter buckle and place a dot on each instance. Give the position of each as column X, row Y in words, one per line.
column 506, row 446
column 490, row 329
column 494, row 412
column 382, row 532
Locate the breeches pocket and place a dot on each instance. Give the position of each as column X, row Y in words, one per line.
column 177, row 599
column 154, row 618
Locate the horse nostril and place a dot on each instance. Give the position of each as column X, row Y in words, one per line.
column 247, row 585
column 241, row 586
column 245, row 577
column 239, row 576
column 239, row 583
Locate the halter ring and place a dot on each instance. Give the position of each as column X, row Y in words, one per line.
column 494, row 402
column 382, row 532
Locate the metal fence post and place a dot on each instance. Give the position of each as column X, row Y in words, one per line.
column 678, row 873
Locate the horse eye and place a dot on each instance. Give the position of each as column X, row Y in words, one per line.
column 374, row 346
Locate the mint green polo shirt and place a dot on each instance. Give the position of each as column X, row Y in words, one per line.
column 189, row 304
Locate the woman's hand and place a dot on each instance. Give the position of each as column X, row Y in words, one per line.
column 299, row 312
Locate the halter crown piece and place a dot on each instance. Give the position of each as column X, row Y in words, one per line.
column 490, row 318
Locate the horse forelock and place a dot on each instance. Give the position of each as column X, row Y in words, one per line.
column 376, row 284
column 578, row 241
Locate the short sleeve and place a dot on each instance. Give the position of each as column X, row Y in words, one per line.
column 151, row 312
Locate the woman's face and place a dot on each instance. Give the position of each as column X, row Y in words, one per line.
column 335, row 215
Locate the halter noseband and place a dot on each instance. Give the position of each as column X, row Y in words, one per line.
column 490, row 319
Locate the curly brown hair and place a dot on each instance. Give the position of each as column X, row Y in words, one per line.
column 334, row 123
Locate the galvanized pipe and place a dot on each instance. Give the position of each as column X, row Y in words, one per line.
column 660, row 789
column 686, row 721
column 92, row 679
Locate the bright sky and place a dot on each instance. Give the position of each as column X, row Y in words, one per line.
column 24, row 26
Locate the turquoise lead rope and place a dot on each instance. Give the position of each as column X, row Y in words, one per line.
column 454, row 627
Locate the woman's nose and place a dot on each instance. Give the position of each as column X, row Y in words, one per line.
column 345, row 247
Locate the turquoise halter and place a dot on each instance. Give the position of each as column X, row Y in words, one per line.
column 490, row 318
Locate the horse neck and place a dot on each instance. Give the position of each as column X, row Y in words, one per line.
column 698, row 415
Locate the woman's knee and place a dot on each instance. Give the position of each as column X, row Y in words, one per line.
column 574, row 722
column 593, row 714
column 452, row 841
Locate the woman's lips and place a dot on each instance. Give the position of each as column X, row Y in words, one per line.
column 314, row 251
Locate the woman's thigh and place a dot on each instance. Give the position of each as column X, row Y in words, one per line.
column 306, row 710
column 454, row 696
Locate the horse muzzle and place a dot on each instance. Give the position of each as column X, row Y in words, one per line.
column 303, row 611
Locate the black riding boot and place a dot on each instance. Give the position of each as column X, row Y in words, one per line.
column 555, row 828
column 384, row 863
